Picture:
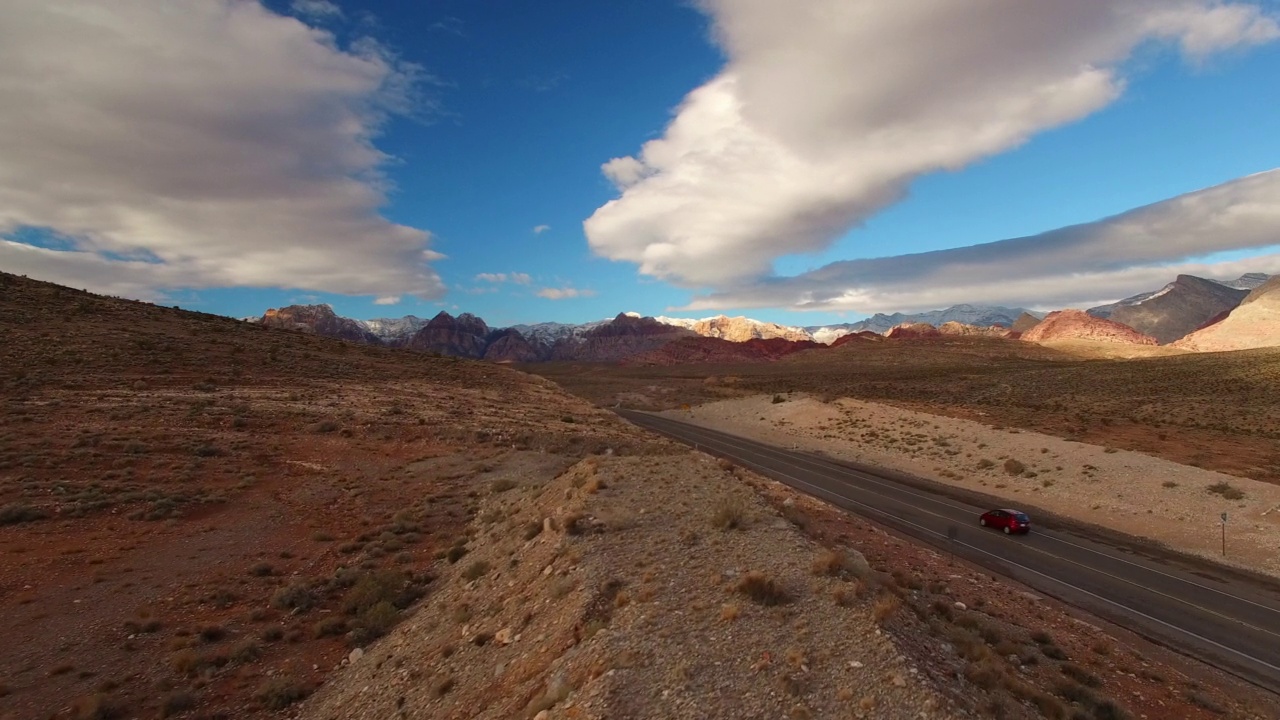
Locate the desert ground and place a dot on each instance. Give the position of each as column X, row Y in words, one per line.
column 201, row 518
column 1176, row 505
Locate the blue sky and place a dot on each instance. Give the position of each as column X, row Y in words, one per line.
column 395, row 158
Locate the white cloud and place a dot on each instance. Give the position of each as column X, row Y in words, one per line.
column 564, row 293
column 515, row 277
column 828, row 109
column 316, row 9
column 539, row 229
column 387, row 300
column 1074, row 266
column 199, row 143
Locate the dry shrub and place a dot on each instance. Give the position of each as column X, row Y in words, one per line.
column 279, row 693
column 730, row 514
column 729, row 612
column 762, row 589
column 1014, row 467
column 886, row 607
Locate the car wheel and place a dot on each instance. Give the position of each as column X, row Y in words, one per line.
column 982, row 522
column 1007, row 531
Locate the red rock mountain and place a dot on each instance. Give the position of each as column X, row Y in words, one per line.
column 318, row 319
column 913, row 331
column 960, row 329
column 1079, row 325
column 1025, row 322
column 624, row 337
column 1254, row 323
column 463, row 336
column 1179, row 309
column 857, row 338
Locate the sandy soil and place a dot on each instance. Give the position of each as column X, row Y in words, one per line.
column 1127, row 491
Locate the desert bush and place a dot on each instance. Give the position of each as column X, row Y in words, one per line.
column 297, row 596
column 375, row 622
column 1080, row 675
column 175, row 702
column 329, row 627
column 262, row 569
column 730, row 514
column 502, row 485
column 532, row 529
column 985, row 464
column 762, row 589
column 475, row 570
column 279, row 693
column 20, row 512
column 886, row 607
column 98, row 706
column 1226, row 490
column 778, row 399
column 1014, row 467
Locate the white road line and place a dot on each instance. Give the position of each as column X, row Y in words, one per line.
column 900, row 488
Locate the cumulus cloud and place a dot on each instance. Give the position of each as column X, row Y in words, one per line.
column 564, row 293
column 316, row 9
column 387, row 300
column 198, row 143
column 828, row 109
column 1073, row 266
column 539, row 229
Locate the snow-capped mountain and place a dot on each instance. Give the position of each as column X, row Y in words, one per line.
column 394, row 329
column 737, row 329
column 552, row 332
column 1248, row 281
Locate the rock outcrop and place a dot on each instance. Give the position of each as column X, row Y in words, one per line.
column 1079, row 325
column 913, row 331
column 463, row 336
column 1179, row 308
column 511, row 345
column 738, row 329
column 318, row 319
column 1255, row 323
column 954, row 328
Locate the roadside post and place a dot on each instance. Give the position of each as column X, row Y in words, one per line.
column 1224, row 534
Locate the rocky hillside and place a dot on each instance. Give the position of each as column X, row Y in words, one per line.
column 704, row 350
column 1079, row 325
column 1254, row 323
column 1182, row 306
column 913, row 331
column 954, row 328
column 1025, row 322
column 321, row 320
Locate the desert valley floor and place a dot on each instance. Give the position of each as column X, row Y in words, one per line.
column 205, row 518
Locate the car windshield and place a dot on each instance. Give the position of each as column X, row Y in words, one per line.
column 1022, row 517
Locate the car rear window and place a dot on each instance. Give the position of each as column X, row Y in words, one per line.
column 1023, row 517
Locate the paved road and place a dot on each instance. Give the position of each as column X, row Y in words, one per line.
column 1225, row 620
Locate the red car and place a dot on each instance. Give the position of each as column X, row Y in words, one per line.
column 1011, row 521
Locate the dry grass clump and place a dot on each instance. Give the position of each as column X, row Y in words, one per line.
column 1014, row 467
column 729, row 612
column 279, row 693
column 763, row 590
column 1226, row 490
column 730, row 514
column 886, row 607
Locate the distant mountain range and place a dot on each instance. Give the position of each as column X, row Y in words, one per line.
column 1185, row 308
column 977, row 315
